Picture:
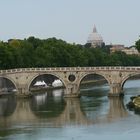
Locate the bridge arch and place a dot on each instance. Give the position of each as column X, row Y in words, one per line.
column 41, row 74
column 127, row 77
column 92, row 73
column 11, row 80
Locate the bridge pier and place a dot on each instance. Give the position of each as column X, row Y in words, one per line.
column 72, row 91
column 115, row 90
column 22, row 91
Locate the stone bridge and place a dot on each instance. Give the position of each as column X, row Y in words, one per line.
column 71, row 77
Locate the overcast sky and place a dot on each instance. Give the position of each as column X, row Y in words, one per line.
column 118, row 21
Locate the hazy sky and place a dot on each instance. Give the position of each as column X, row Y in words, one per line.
column 118, row 21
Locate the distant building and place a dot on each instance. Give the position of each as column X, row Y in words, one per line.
column 116, row 47
column 95, row 39
column 131, row 51
column 128, row 51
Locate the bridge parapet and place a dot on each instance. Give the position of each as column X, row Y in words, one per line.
column 68, row 69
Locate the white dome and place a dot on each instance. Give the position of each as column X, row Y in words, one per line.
column 95, row 38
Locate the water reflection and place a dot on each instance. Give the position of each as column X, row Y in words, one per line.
column 7, row 105
column 117, row 109
column 57, row 113
column 44, row 115
column 22, row 113
column 103, row 110
column 40, row 99
column 72, row 115
column 44, row 106
column 58, row 92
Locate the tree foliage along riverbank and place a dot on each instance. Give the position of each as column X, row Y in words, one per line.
column 52, row 52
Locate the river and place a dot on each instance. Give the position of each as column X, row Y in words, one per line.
column 93, row 116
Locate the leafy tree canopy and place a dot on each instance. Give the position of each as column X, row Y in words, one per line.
column 52, row 52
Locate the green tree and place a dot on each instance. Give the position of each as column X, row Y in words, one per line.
column 137, row 45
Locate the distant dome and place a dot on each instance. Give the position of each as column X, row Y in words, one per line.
column 95, row 39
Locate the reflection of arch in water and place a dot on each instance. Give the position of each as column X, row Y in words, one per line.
column 22, row 114
column 7, row 106
column 47, row 107
column 61, row 113
column 40, row 98
column 72, row 115
column 93, row 106
column 57, row 93
column 114, row 109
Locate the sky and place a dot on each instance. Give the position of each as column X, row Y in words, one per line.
column 117, row 21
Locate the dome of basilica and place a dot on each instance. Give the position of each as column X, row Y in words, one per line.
column 95, row 38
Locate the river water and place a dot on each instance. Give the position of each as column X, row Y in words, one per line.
column 93, row 116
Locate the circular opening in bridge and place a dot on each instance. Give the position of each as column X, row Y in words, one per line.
column 6, row 86
column 48, row 84
column 94, row 85
column 72, row 78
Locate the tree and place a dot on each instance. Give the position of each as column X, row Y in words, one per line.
column 14, row 43
column 34, row 41
column 52, row 52
column 137, row 45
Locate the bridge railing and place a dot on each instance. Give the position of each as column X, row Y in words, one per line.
column 70, row 69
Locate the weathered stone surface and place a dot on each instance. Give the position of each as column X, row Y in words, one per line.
column 115, row 76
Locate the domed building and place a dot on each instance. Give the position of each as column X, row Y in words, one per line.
column 95, row 39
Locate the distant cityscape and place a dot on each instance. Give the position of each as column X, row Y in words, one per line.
column 95, row 40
